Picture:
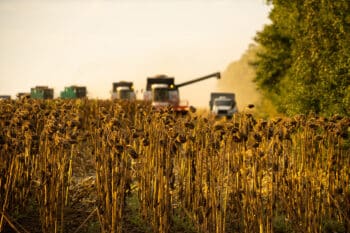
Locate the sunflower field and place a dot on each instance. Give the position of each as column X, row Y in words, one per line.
column 190, row 173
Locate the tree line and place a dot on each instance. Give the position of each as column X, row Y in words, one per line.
column 304, row 60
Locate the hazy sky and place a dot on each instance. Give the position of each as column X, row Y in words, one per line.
column 94, row 43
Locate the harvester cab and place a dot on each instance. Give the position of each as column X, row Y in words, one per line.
column 123, row 91
column 162, row 92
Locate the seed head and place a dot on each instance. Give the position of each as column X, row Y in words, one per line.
column 189, row 125
column 132, row 152
column 193, row 109
column 145, row 142
column 181, row 138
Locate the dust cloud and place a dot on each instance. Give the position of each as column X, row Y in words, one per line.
column 238, row 78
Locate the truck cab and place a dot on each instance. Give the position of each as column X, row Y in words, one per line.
column 223, row 104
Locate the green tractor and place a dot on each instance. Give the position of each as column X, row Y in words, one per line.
column 73, row 92
column 41, row 92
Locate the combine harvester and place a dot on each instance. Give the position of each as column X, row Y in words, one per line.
column 5, row 97
column 41, row 92
column 23, row 95
column 162, row 92
column 123, row 91
column 73, row 92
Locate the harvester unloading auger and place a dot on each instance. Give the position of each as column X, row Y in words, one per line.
column 163, row 92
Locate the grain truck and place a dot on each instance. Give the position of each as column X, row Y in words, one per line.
column 223, row 104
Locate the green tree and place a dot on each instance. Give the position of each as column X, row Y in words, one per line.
column 305, row 61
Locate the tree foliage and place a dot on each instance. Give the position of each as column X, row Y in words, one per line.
column 305, row 61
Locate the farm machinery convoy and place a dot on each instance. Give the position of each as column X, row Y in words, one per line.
column 44, row 92
column 161, row 92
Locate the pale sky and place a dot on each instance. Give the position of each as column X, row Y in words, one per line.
column 94, row 43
